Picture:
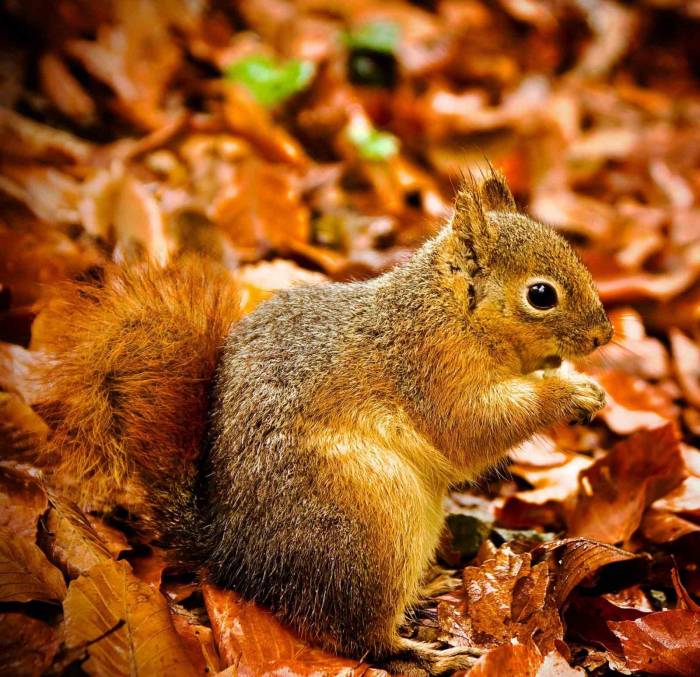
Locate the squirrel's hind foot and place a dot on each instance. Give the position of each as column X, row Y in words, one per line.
column 438, row 581
column 421, row 659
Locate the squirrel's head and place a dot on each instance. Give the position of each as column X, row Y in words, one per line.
column 523, row 286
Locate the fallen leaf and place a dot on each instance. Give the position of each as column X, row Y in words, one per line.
column 633, row 404
column 27, row 645
column 64, row 90
column 614, row 492
column 134, row 57
column 258, row 282
column 632, row 350
column 25, row 573
column 684, row 499
column 22, row 501
column 583, row 561
column 113, row 538
column 198, row 641
column 522, row 659
column 246, row 117
column 125, row 624
column 662, row 643
column 254, row 642
column 25, row 138
column 686, row 363
column 263, row 211
column 138, row 222
column 69, row 539
column 50, row 193
column 504, row 598
column 587, row 620
column 22, row 430
column 659, row 526
column 16, row 365
column 684, row 600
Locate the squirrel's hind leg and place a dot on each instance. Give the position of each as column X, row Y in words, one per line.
column 421, row 659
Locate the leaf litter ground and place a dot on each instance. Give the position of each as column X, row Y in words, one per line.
column 300, row 142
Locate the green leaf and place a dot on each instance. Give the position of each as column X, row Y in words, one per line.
column 377, row 36
column 270, row 82
column 371, row 143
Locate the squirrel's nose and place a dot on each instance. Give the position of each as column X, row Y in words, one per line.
column 602, row 335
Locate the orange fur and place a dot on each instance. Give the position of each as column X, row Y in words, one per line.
column 127, row 369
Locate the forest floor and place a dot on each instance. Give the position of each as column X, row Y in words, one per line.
column 301, row 142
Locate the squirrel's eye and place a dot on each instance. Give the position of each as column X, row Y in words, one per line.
column 542, row 296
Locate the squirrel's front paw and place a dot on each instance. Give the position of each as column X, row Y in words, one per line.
column 588, row 398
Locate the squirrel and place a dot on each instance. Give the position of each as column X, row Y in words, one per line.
column 300, row 454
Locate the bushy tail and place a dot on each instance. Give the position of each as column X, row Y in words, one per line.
column 126, row 377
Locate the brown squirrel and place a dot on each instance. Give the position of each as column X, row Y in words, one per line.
column 310, row 475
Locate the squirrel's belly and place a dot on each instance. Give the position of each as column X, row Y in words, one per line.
column 388, row 474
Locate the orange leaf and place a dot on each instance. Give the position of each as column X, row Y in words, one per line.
column 125, row 622
column 254, row 642
column 25, row 573
column 614, row 492
column 662, row 643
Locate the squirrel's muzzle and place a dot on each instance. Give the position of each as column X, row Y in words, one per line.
column 602, row 333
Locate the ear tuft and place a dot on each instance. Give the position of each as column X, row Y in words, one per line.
column 470, row 222
column 495, row 194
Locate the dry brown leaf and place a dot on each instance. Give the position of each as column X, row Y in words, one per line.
column 125, row 623
column 614, row 492
column 580, row 560
column 16, row 365
column 587, row 620
column 683, row 598
column 27, row 645
column 36, row 256
column 113, row 538
column 504, row 598
column 552, row 488
column 25, row 138
column 138, row 222
column 541, row 451
column 50, row 193
column 134, row 57
column 254, row 642
column 22, row 430
column 198, row 641
column 634, row 404
column 260, row 281
column 69, row 539
column 684, row 499
column 22, row 501
column 686, row 363
column 251, row 121
column 64, row 90
column 647, row 286
column 662, row 643
column 263, row 211
column 632, row 351
column 25, row 573
column 522, row 659
column 659, row 526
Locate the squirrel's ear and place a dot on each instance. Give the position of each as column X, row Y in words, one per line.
column 470, row 222
column 495, row 194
